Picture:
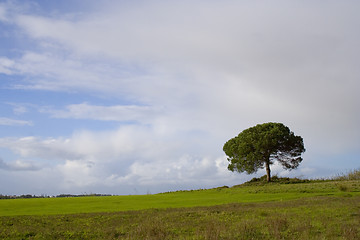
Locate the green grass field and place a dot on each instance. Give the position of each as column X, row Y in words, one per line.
column 211, row 197
column 314, row 210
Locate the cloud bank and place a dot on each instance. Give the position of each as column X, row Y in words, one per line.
column 183, row 78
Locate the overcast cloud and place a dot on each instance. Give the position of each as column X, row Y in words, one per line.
column 131, row 97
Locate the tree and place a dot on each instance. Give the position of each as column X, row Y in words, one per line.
column 260, row 146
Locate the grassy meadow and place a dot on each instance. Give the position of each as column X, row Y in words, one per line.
column 309, row 210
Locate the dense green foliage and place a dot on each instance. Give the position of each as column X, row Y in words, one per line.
column 275, row 179
column 313, row 210
column 258, row 147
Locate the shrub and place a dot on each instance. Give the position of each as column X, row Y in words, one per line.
column 275, row 179
column 343, row 188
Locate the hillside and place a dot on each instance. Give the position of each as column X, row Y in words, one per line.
column 284, row 209
column 248, row 192
column 310, row 210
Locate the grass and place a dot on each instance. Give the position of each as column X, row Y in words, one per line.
column 324, row 217
column 211, row 197
column 279, row 210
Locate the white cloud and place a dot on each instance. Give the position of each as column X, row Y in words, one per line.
column 49, row 71
column 18, row 165
column 127, row 142
column 5, row 65
column 130, row 156
column 142, row 114
column 182, row 171
column 20, row 108
column 14, row 122
column 78, row 174
column 32, row 147
column 3, row 12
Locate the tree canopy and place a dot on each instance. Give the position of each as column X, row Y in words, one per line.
column 260, row 146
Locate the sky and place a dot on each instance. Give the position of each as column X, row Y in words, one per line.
column 137, row 97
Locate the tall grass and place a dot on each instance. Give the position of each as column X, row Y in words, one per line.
column 351, row 175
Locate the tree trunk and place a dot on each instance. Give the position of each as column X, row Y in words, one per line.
column 267, row 165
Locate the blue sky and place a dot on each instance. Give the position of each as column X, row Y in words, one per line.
column 130, row 97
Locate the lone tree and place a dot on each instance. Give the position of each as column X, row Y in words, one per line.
column 260, row 146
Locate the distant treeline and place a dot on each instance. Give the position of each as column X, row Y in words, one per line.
column 57, row 196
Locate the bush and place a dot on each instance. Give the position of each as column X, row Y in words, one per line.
column 275, row 179
column 343, row 188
